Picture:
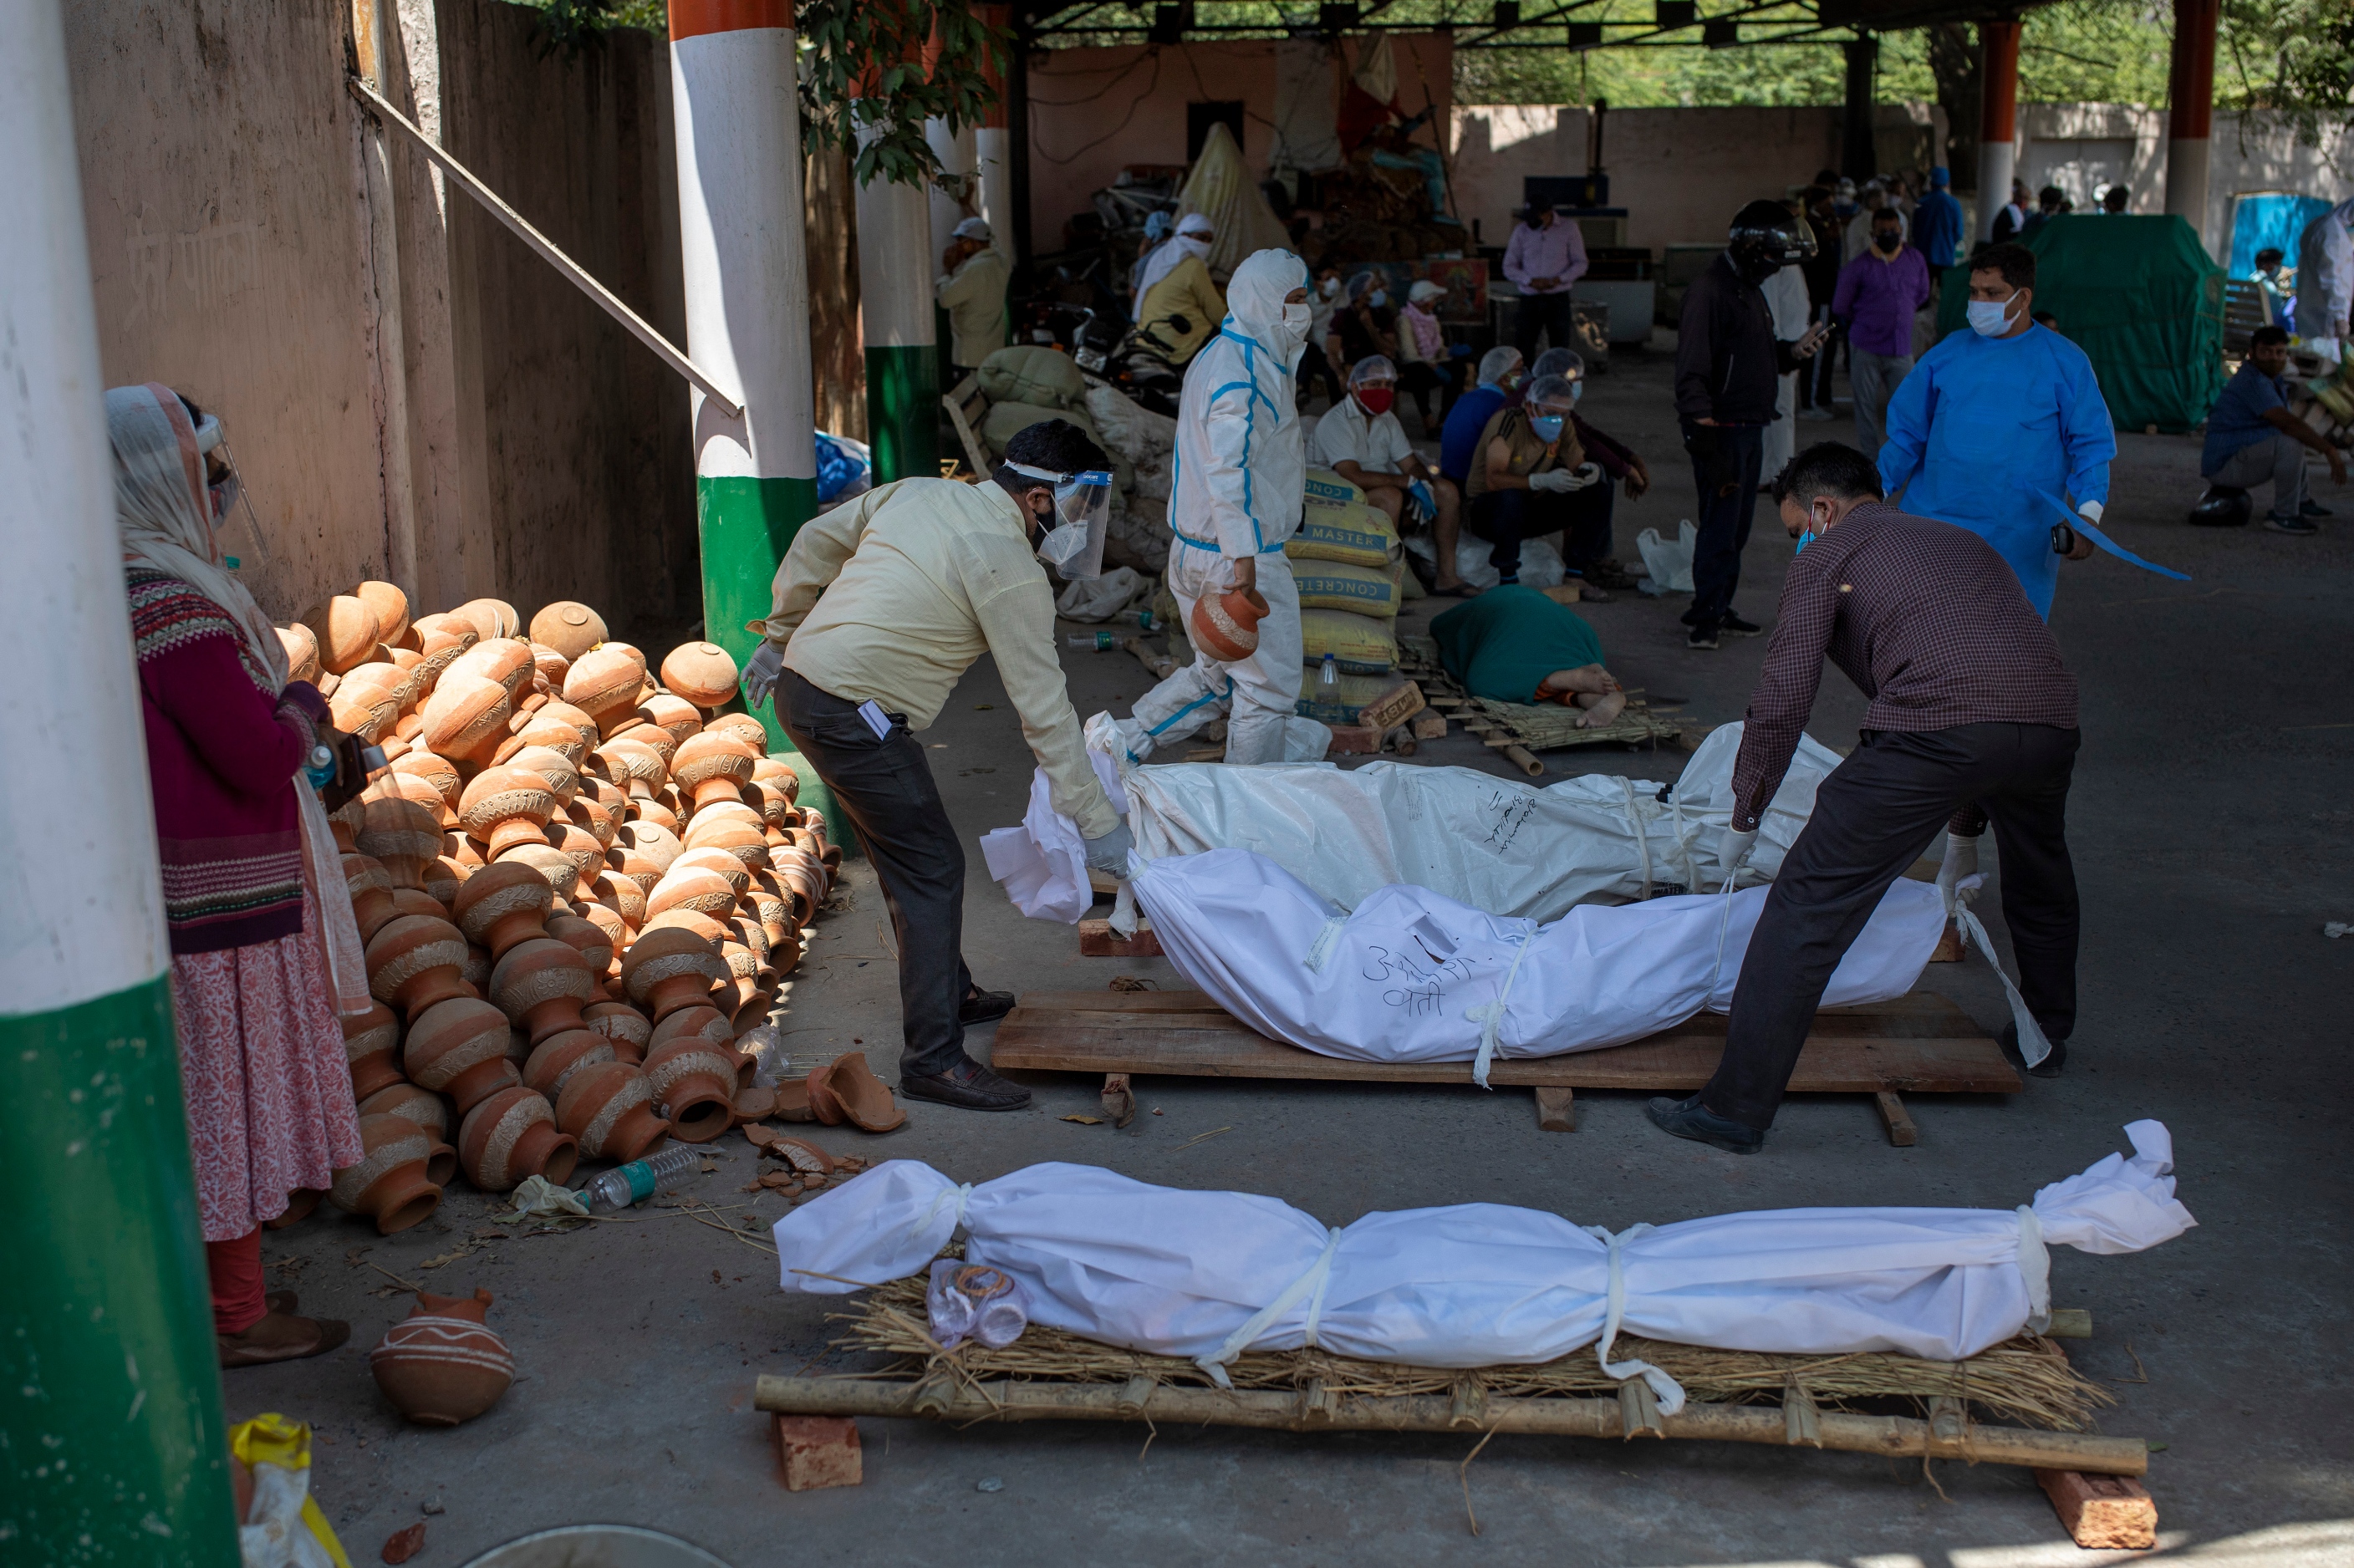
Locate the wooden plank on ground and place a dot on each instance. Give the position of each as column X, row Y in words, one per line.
column 1919, row 1044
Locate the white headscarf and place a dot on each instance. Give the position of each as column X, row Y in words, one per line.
column 165, row 508
column 1175, row 249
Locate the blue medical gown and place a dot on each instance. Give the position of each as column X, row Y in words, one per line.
column 1984, row 428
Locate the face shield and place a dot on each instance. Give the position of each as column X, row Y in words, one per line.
column 1074, row 545
column 236, row 526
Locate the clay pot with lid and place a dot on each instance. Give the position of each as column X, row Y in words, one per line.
column 555, row 1059
column 542, row 985
column 610, row 1108
column 442, row 1365
column 465, row 717
column 569, row 627
column 490, row 618
column 371, row 889
column 693, row 1084
column 511, row 1135
column 702, row 673
column 505, row 807
column 624, row 1026
column 503, row 904
column 667, row 968
column 345, row 628
column 458, row 1048
column 401, row 835
column 372, row 1045
column 390, row 1184
column 710, row 766
column 604, row 682
column 413, row 963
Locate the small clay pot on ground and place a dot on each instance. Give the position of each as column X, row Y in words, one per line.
column 609, row 1106
column 440, row 1365
column 511, row 1135
column 390, row 1184
column 693, row 1085
column 459, row 1049
column 415, row 962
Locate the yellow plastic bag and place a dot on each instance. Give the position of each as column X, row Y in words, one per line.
column 1337, row 584
column 282, row 1527
column 1359, row 644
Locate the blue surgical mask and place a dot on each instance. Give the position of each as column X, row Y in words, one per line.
column 1378, row 298
column 1990, row 318
column 1546, row 426
column 1576, row 390
column 1805, row 539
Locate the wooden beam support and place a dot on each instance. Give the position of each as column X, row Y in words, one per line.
column 1557, row 1109
column 1902, row 1133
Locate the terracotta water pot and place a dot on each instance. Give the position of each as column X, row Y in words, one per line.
column 388, row 606
column 541, row 984
column 622, row 895
column 439, row 641
column 438, row 774
column 652, row 845
column 555, row 1059
column 503, row 904
column 505, row 660
column 1226, row 625
column 490, row 617
column 443, row 877
column 367, row 703
column 578, row 845
column 743, row 973
column 419, row 783
column 637, row 726
column 559, row 736
column 390, row 1184
column 371, row 889
column 562, row 777
column 691, row 887
column 609, row 1106
column 704, row 926
column 465, row 717
column 702, row 673
column 548, row 669
column 768, row 772
column 624, row 1026
column 675, row 715
column 592, row 941
column 693, row 1085
column 301, row 1205
column 416, row 901
column 587, row 813
column 412, row 1102
column 699, row 1022
column 569, row 627
column 803, row 877
column 441, row 1366
column 413, row 963
column 774, row 912
column 372, row 1045
column 632, row 765
column 736, row 828
column 301, row 645
column 561, row 871
column 513, row 1135
column 477, row 972
column 605, row 681
column 667, row 968
column 505, row 807
column 711, row 764
column 662, row 810
column 614, row 937
column 345, row 630
column 743, row 726
column 401, row 835
column 458, row 1048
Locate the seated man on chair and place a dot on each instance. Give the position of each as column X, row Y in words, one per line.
column 1361, row 440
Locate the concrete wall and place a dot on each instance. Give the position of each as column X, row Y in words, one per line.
column 411, row 393
column 1094, row 111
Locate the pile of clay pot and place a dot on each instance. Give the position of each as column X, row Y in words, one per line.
column 577, row 883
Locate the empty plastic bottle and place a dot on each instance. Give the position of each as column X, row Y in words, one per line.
column 1328, row 674
column 638, row 1180
column 1102, row 642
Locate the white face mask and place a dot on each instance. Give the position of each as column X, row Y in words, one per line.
column 1196, row 245
column 1990, row 318
column 1296, row 319
column 1330, row 288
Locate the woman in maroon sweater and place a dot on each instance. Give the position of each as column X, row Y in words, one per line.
column 252, row 914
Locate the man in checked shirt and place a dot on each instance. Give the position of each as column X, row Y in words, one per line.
column 1973, row 717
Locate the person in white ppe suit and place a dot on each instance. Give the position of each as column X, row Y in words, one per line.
column 1240, row 483
column 2324, row 280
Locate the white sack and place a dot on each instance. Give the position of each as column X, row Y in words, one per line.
column 1414, row 976
column 1043, row 864
column 1209, row 1275
column 1540, row 563
column 1670, row 565
column 1098, row 598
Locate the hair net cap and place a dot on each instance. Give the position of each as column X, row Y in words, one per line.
column 1363, row 282
column 1498, row 363
column 1372, row 368
column 974, row 228
column 1553, row 391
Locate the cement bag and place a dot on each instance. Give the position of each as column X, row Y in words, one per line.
column 1359, row 644
column 1413, row 975
column 1343, row 701
column 1354, row 535
column 1327, row 491
column 1034, row 372
column 1209, row 1275
column 1670, row 565
column 1098, row 598
column 1336, row 585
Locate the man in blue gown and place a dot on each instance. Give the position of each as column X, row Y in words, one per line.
column 2002, row 429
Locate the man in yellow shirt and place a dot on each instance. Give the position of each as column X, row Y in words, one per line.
column 880, row 607
column 1181, row 306
column 973, row 292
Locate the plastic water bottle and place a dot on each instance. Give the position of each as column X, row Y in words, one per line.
column 638, row 1180
column 1329, row 672
column 1100, row 641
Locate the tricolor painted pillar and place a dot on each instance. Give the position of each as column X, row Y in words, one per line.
column 746, row 274
column 896, row 264
column 2190, row 99
column 1997, row 118
column 993, row 152
column 112, row 1447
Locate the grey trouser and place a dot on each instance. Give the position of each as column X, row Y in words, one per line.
column 1873, row 378
column 2280, row 461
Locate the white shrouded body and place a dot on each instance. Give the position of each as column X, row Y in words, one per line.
column 81, row 910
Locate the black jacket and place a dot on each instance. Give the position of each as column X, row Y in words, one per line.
column 1728, row 361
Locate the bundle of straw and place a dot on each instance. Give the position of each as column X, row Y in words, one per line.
column 2026, row 1380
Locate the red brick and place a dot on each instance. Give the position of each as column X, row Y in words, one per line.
column 815, row 1451
column 2109, row 1512
column 1354, row 740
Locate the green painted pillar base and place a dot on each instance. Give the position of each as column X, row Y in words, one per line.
column 112, row 1443
column 903, row 412
column 747, row 526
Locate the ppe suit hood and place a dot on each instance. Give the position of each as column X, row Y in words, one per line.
column 1255, row 300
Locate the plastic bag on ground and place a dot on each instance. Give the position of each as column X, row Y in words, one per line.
column 282, row 1527
column 1670, row 565
column 1102, row 597
column 1540, row 563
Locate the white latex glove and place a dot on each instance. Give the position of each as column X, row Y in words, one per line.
column 1110, row 853
column 1553, row 479
column 760, row 672
column 1961, row 863
column 1584, row 474
column 1734, row 850
column 2090, row 512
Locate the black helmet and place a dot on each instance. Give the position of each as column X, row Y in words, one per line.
column 1766, row 237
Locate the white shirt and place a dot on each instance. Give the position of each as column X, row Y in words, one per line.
column 1376, row 444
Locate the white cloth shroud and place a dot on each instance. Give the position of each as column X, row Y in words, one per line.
column 1499, row 845
column 1412, row 976
column 1180, row 1272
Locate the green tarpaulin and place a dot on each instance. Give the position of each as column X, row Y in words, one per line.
column 2143, row 301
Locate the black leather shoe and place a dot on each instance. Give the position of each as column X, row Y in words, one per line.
column 1690, row 1118
column 968, row 1086
column 984, row 1006
column 2050, row 1067
column 1733, row 626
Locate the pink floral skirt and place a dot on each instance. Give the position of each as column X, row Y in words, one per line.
column 263, row 1067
